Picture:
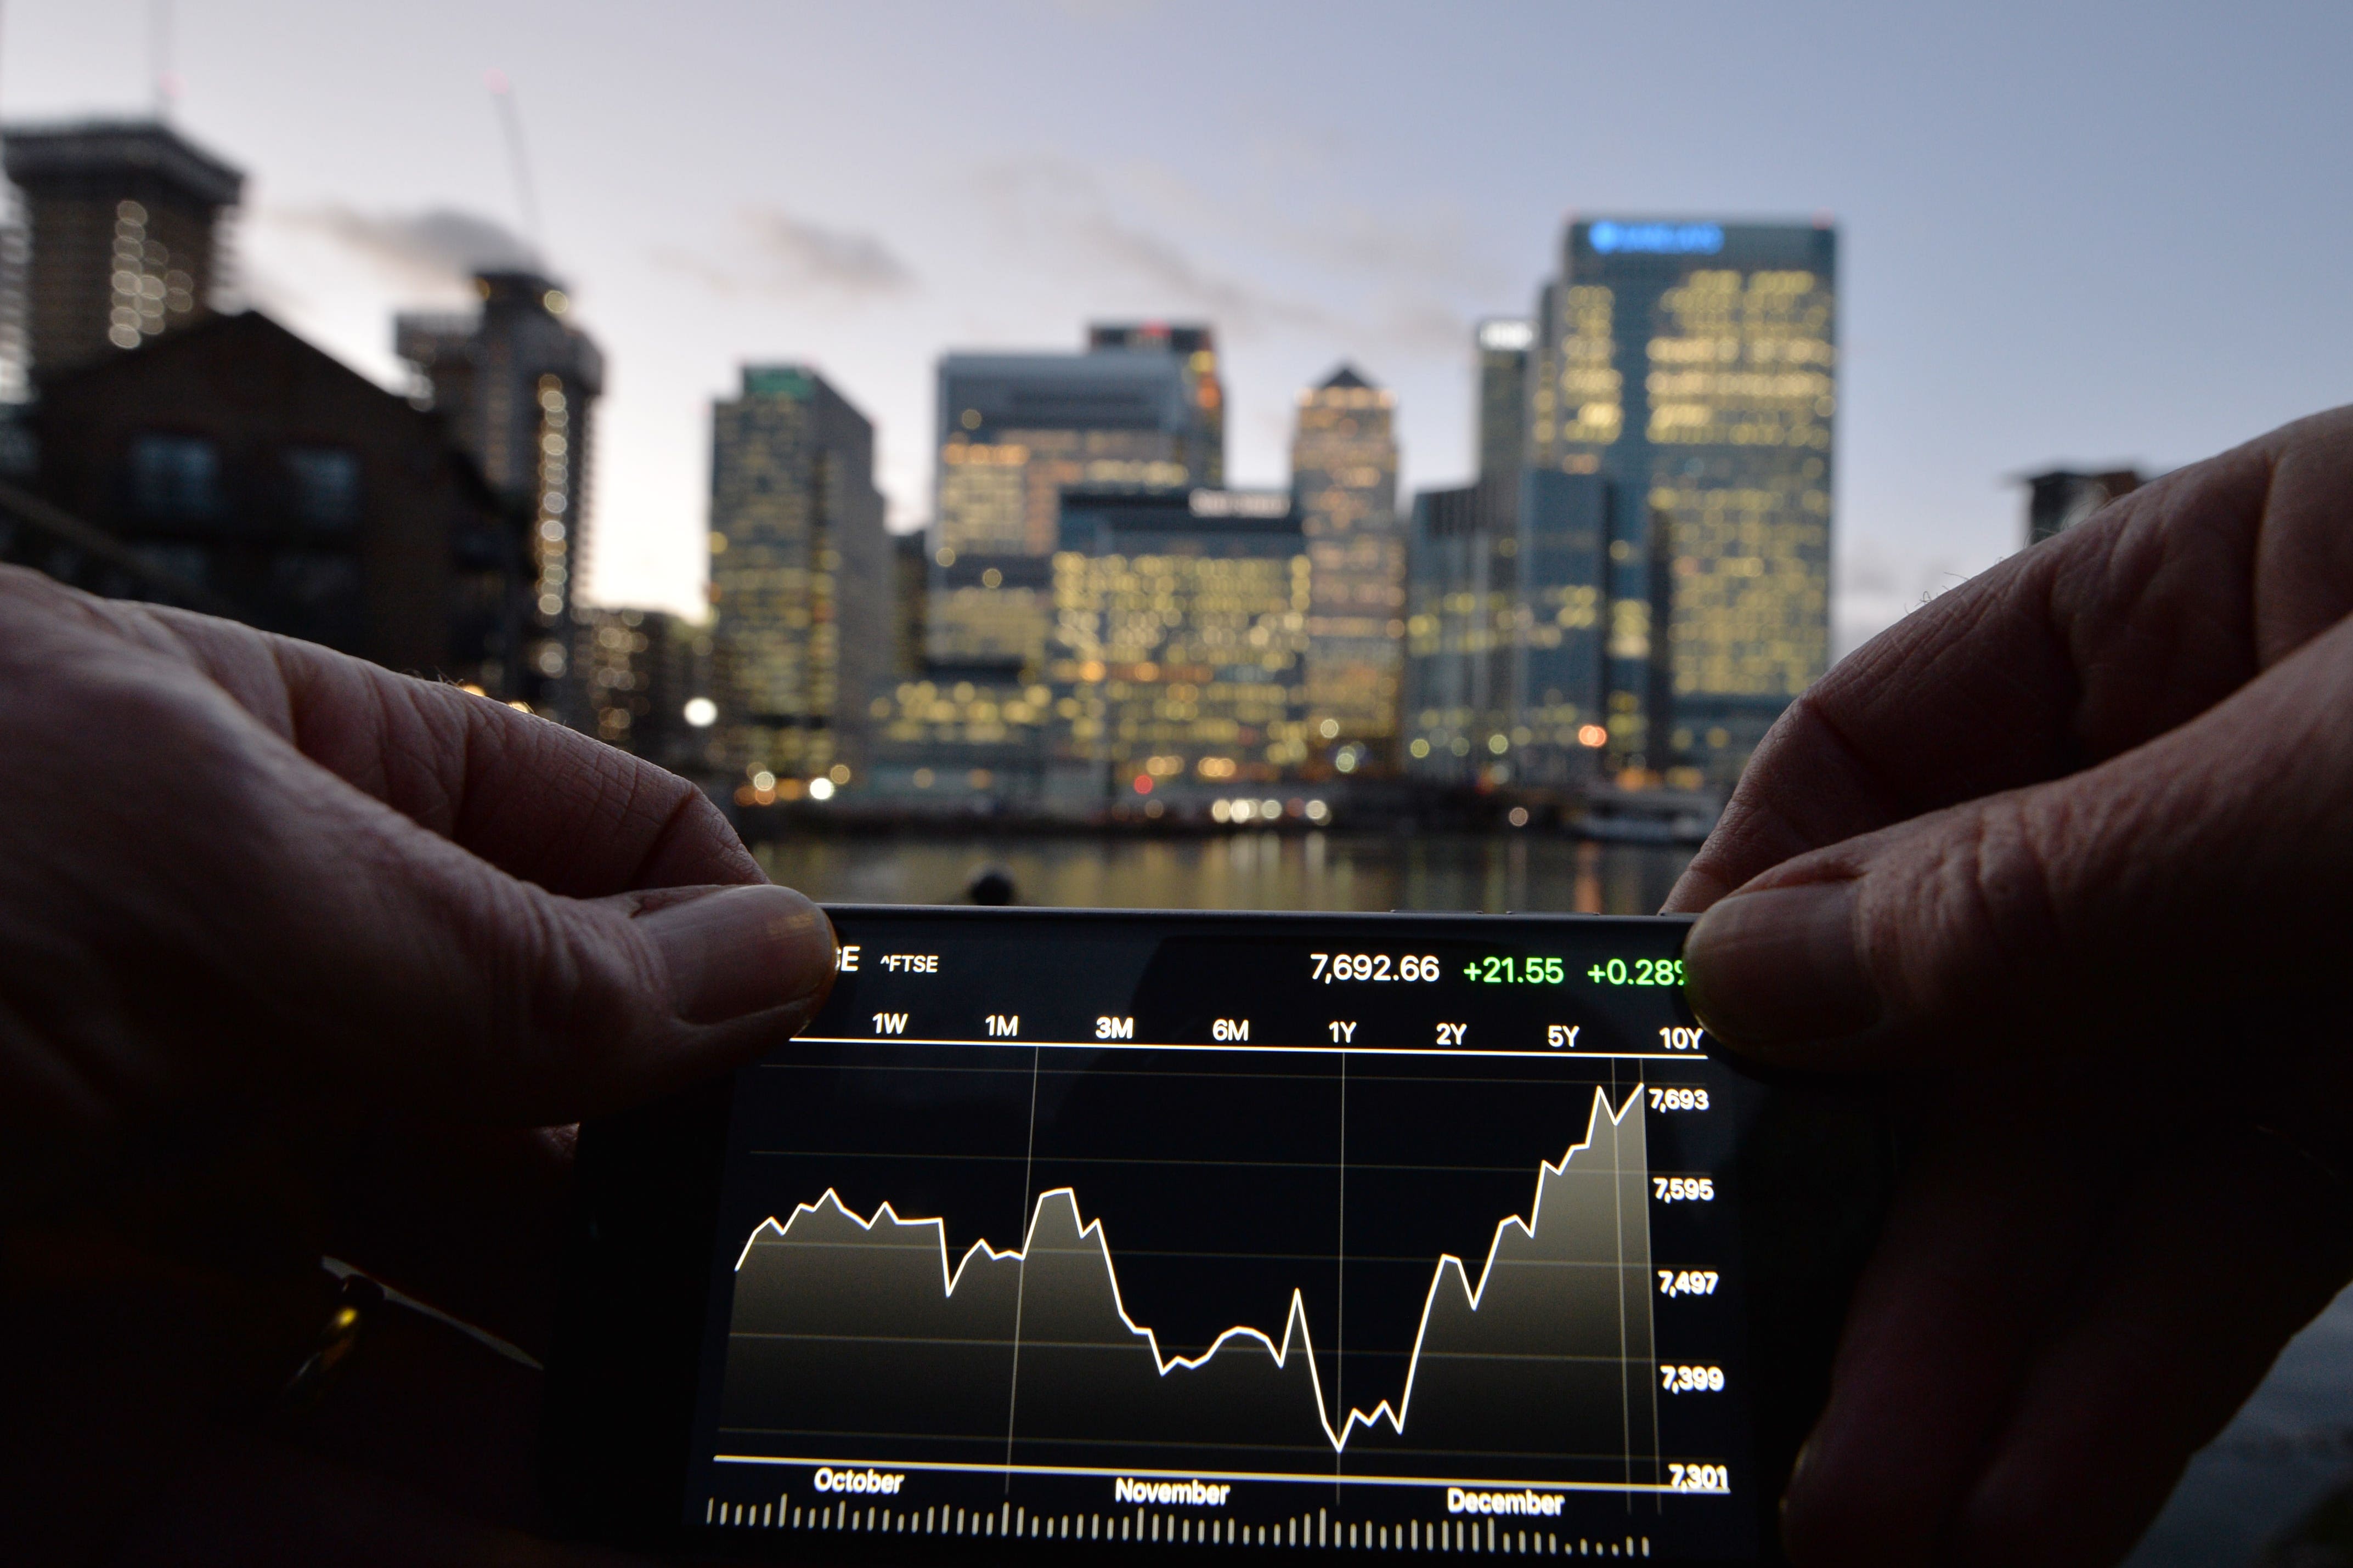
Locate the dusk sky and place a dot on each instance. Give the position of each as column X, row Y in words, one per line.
column 2069, row 232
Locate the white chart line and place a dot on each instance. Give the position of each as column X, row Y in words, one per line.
column 1531, row 1053
column 1313, row 1478
column 1295, row 1323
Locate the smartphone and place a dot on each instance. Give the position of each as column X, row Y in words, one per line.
column 1115, row 1235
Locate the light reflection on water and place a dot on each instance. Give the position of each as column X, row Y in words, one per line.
column 1489, row 873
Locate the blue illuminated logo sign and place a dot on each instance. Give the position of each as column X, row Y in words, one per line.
column 1656, row 238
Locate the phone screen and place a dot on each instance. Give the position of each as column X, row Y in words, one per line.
column 1351, row 1232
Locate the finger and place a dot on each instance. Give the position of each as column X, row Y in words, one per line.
column 538, row 800
column 373, row 960
column 2234, row 1241
column 2063, row 656
column 571, row 813
column 1975, row 1257
column 2039, row 919
column 502, row 1001
column 443, row 987
column 379, row 965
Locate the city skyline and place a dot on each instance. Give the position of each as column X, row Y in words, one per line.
column 1997, row 315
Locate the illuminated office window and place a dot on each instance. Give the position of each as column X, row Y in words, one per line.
column 800, row 576
column 1343, row 472
column 1180, row 640
column 1694, row 364
column 1142, row 406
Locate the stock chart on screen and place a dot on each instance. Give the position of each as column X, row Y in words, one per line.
column 1351, row 1233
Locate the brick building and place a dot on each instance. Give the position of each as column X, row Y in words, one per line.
column 297, row 493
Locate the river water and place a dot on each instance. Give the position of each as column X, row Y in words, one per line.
column 2292, row 1443
column 1484, row 873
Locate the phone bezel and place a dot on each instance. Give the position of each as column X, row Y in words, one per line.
column 624, row 1367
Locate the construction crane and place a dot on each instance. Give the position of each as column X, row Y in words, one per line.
column 517, row 157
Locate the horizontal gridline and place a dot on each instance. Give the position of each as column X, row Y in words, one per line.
column 1190, row 1074
column 1053, row 1159
column 1029, row 1342
column 1215, row 1256
column 995, row 1444
column 1528, row 1053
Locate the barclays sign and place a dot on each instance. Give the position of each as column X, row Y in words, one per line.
column 1655, row 238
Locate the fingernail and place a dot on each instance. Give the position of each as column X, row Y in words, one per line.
column 1779, row 968
column 741, row 951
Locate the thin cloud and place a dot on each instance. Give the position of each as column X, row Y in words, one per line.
column 1062, row 208
column 1104, row 10
column 792, row 257
column 716, row 279
column 817, row 257
column 1399, row 296
column 1428, row 250
column 1423, row 327
column 1163, row 265
column 1434, row 252
column 430, row 251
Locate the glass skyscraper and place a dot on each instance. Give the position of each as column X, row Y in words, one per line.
column 517, row 384
column 1197, row 345
column 1141, row 407
column 126, row 216
column 1694, row 365
column 800, row 577
column 1503, row 668
column 1502, row 432
column 1344, row 460
column 1461, row 593
column 1180, row 641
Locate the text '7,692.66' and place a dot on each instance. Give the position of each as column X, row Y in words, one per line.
column 1328, row 967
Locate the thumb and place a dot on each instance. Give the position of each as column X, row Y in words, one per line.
column 2203, row 867
column 382, row 960
column 520, row 1004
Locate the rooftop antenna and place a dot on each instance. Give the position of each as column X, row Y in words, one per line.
column 518, row 158
column 159, row 57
